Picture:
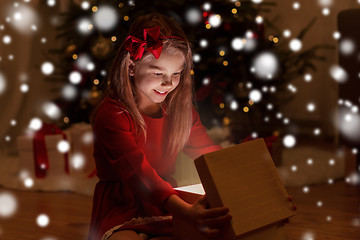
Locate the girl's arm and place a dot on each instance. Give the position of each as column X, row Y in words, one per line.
column 199, row 142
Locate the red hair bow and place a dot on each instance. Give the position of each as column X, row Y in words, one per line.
column 151, row 43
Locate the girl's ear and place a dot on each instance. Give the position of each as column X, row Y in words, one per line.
column 131, row 67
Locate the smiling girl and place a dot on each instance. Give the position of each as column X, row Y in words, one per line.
column 143, row 120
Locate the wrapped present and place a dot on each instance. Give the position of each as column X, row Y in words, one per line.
column 39, row 154
column 82, row 148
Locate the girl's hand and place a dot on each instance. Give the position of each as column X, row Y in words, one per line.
column 209, row 221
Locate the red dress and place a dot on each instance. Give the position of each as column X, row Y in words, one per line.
column 135, row 176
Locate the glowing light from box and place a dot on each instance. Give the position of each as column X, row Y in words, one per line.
column 69, row 92
column 51, row 110
column 84, row 26
column 308, row 77
column 295, row 45
column 42, row 220
column 265, row 64
column 255, row 95
column 338, row 74
column 105, row 18
column 296, row 5
column 309, row 161
column 63, row 146
column 306, row 189
column 347, row 46
column 311, row 107
column 8, row 204
column 6, row 39
column 35, row 124
column 47, row 68
column 289, row 141
column 336, row 35
column 196, row 57
column 215, row 20
column 77, row 161
column 51, row 3
column 319, row 203
column 85, row 5
column 75, row 77
column 203, row 43
column 193, row 16
column 28, row 182
column 2, row 83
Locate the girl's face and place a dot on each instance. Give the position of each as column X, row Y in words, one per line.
column 156, row 78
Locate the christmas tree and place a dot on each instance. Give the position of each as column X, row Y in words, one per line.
column 243, row 64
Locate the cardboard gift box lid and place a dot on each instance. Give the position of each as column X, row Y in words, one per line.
column 244, row 179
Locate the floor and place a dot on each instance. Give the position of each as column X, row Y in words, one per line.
column 338, row 218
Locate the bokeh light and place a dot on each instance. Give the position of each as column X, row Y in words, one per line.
column 8, row 204
column 215, row 20
column 347, row 46
column 255, row 95
column 338, row 74
column 51, row 110
column 47, row 68
column 265, row 65
column 77, row 161
column 35, row 124
column 69, row 92
column 289, row 141
column 295, row 45
column 63, row 146
column 105, row 18
column 193, row 16
column 75, row 77
column 42, row 220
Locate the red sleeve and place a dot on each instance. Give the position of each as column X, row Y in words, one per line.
column 199, row 142
column 112, row 130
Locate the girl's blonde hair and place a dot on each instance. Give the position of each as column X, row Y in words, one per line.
column 178, row 103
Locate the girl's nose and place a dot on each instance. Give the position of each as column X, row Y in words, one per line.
column 166, row 81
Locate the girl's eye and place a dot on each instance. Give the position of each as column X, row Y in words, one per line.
column 178, row 73
column 158, row 74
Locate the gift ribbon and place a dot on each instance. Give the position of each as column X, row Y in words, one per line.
column 152, row 42
column 41, row 159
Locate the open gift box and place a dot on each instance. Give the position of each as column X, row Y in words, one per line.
column 244, row 179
